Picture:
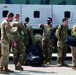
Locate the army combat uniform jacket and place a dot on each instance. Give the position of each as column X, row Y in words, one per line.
column 47, row 41
column 73, row 49
column 61, row 46
column 6, row 38
column 19, row 51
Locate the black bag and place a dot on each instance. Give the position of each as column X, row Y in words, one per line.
column 70, row 40
column 34, row 55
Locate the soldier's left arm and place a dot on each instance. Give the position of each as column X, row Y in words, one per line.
column 32, row 36
column 73, row 31
column 8, row 33
column 58, row 32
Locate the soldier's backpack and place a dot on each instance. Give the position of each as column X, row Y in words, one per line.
column 15, row 33
column 34, row 55
column 53, row 33
column 38, row 39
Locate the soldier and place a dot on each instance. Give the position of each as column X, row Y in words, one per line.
column 19, row 51
column 73, row 49
column 0, row 48
column 6, row 38
column 47, row 41
column 30, row 35
column 61, row 46
column 29, row 31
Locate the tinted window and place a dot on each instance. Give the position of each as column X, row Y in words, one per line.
column 5, row 12
column 36, row 14
column 67, row 14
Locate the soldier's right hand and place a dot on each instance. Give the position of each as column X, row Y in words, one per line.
column 15, row 44
column 41, row 24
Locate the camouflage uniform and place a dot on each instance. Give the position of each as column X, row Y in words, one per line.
column 0, row 48
column 30, row 34
column 73, row 49
column 61, row 46
column 29, row 39
column 6, row 38
column 19, row 51
column 47, row 42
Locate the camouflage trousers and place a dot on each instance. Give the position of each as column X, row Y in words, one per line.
column 73, row 49
column 18, row 52
column 5, row 54
column 0, row 50
column 47, row 49
column 62, row 50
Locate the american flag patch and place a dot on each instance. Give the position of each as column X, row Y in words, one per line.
column 6, row 26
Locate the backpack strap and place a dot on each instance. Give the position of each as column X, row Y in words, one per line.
column 28, row 34
column 25, row 25
column 61, row 27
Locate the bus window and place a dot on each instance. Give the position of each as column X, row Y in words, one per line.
column 67, row 14
column 36, row 14
column 5, row 12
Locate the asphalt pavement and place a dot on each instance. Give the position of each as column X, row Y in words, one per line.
column 44, row 69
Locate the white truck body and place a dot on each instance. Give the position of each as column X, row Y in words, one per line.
column 56, row 12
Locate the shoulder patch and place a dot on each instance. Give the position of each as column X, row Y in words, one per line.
column 6, row 26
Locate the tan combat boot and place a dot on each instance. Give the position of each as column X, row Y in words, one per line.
column 48, row 63
column 7, row 70
column 26, row 62
column 74, row 67
column 15, row 66
column 64, row 64
column 19, row 67
column 3, row 71
column 59, row 65
column 44, row 62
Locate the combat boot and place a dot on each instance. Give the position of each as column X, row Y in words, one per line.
column 19, row 67
column 8, row 70
column 48, row 63
column 44, row 62
column 15, row 66
column 59, row 65
column 3, row 71
column 26, row 62
column 64, row 64
column 74, row 67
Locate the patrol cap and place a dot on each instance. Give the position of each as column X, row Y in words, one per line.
column 49, row 19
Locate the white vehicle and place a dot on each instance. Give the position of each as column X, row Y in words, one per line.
column 39, row 13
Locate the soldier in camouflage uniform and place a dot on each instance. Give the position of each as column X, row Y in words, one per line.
column 30, row 36
column 29, row 31
column 61, row 46
column 73, row 49
column 19, row 51
column 47, row 41
column 0, row 48
column 6, row 38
